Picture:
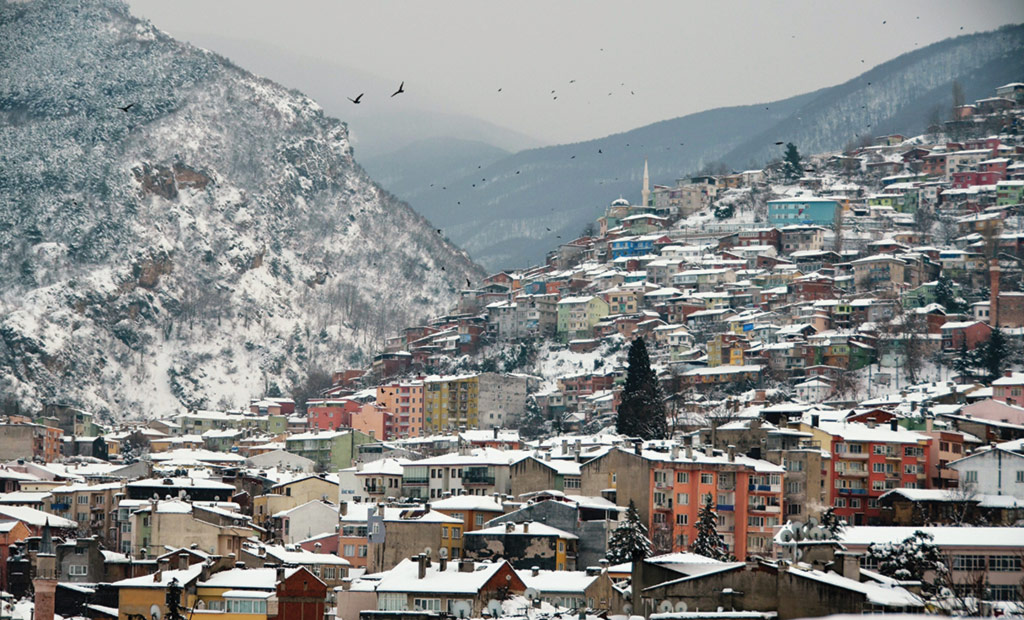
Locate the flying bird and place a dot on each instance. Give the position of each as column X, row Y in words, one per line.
column 778, row 143
column 401, row 89
column 357, row 99
column 499, row 90
column 439, row 231
column 517, row 172
column 128, row 107
column 573, row 157
column 572, row 81
column 598, row 150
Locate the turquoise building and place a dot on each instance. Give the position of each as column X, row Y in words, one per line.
column 789, row 211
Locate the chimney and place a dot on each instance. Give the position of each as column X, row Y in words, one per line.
column 510, row 527
column 579, row 445
column 637, row 446
column 46, row 597
column 894, row 424
column 848, row 565
column 689, row 452
column 466, row 566
column 732, row 453
column 709, row 450
column 442, row 564
column 158, row 575
column 929, row 425
column 182, row 561
column 421, row 566
column 535, row 570
column 755, row 424
column 526, row 527
column 280, row 574
column 565, row 446
column 343, row 508
column 993, row 287
column 675, row 452
column 604, row 564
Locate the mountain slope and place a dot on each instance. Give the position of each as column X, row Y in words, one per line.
column 212, row 239
column 503, row 217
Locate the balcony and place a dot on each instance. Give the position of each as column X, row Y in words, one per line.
column 476, row 476
column 60, row 507
column 852, row 474
column 852, row 456
column 726, row 507
column 415, row 480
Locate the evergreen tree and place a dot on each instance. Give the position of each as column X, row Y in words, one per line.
column 792, row 168
column 910, row 559
column 832, row 524
column 533, row 425
column 992, row 354
column 709, row 543
column 641, row 412
column 945, row 296
column 629, row 541
column 964, row 362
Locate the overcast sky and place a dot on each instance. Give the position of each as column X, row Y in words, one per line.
column 675, row 57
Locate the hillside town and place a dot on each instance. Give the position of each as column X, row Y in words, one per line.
column 778, row 393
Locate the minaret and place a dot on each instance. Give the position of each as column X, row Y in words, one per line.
column 645, row 194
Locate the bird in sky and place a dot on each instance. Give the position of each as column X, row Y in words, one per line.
column 401, row 89
column 599, row 150
column 439, row 231
column 499, row 90
column 128, row 107
column 357, row 99
column 778, row 143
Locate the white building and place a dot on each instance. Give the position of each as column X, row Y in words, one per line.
column 995, row 471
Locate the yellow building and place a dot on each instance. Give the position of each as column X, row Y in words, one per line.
column 451, row 402
column 146, row 596
column 288, row 495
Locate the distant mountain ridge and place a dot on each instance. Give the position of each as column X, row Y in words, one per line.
column 210, row 240
column 532, row 200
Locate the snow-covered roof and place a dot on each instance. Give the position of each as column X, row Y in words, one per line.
column 523, row 529
column 467, row 502
column 864, row 535
column 404, row 577
column 879, row 594
column 558, row 581
column 33, row 517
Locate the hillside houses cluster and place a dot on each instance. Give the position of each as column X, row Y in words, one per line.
column 808, row 337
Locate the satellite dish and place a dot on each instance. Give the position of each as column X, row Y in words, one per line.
column 427, row 551
column 462, row 609
column 442, row 552
column 494, row 608
column 531, row 594
column 666, row 607
column 681, row 607
column 155, row 613
column 785, row 536
column 627, row 608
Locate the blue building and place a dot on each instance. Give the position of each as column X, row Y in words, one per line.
column 632, row 246
column 788, row 211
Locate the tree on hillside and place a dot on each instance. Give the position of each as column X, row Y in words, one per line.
column 963, row 363
column 993, row 355
column 709, row 543
column 629, row 541
column 946, row 296
column 641, row 412
column 792, row 167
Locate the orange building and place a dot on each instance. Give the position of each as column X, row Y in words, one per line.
column 375, row 421
column 746, row 494
column 405, row 400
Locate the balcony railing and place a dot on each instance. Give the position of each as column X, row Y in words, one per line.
column 415, row 480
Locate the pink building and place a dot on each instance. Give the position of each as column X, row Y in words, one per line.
column 1009, row 388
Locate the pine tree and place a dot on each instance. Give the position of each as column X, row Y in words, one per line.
column 945, row 296
column 533, row 425
column 964, row 362
column 709, row 542
column 910, row 559
column 629, row 541
column 641, row 412
column 792, row 168
column 992, row 354
column 832, row 524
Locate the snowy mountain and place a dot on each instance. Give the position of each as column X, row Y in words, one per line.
column 213, row 238
column 509, row 212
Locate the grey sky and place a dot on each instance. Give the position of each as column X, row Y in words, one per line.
column 676, row 57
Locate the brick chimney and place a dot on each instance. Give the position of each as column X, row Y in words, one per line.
column 46, row 592
column 993, row 287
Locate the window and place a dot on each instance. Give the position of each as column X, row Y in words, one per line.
column 329, row 572
column 82, row 499
column 660, row 477
column 561, row 546
column 479, row 520
column 362, row 551
column 683, row 499
column 1004, row 563
column 969, row 562
column 1002, row 592
column 456, row 533
column 755, row 521
column 247, row 606
column 572, row 483
column 457, row 515
column 427, row 605
column 215, row 605
column 971, row 475
column 1020, row 476
column 840, row 502
column 707, row 478
column 349, row 551
column 659, row 517
column 682, row 477
column 794, row 487
column 78, row 570
column 682, row 519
